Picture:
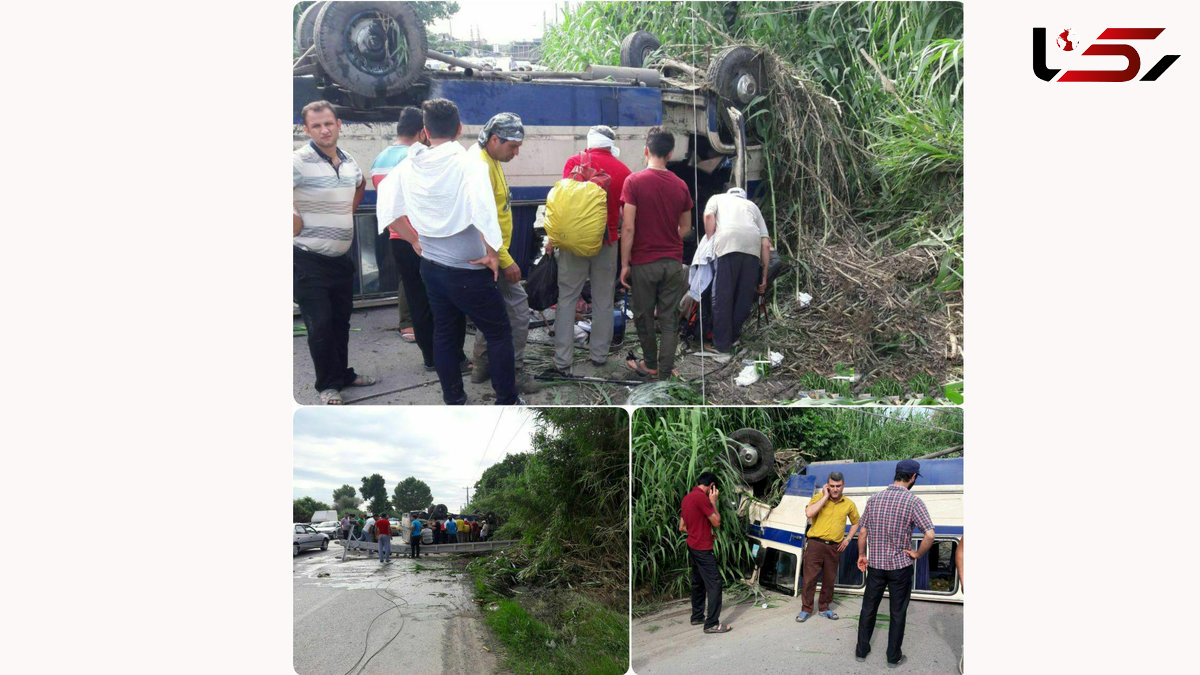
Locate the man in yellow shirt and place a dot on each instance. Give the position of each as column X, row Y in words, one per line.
column 500, row 141
column 827, row 538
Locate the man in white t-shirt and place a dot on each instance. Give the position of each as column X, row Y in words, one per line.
column 370, row 534
column 743, row 249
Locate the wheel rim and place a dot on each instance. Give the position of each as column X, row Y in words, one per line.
column 376, row 43
column 749, row 456
column 746, row 87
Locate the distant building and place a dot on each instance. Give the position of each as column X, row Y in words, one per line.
column 526, row 50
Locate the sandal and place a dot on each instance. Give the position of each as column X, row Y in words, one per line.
column 830, row 614
column 698, row 623
column 722, row 628
column 331, row 397
column 638, row 366
column 408, row 335
column 803, row 616
column 363, row 381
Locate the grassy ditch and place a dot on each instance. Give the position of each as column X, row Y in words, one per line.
column 549, row 631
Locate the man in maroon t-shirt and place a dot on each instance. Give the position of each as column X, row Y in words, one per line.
column 601, row 269
column 698, row 516
column 658, row 213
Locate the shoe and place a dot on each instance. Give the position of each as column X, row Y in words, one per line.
column 899, row 663
column 480, row 374
column 862, row 658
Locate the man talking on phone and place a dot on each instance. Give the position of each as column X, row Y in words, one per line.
column 698, row 518
column 827, row 538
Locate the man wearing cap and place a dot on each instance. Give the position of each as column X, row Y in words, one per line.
column 743, row 248
column 829, row 510
column 600, row 269
column 499, row 142
column 888, row 520
column 446, row 209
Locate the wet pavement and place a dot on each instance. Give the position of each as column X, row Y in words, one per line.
column 412, row 616
column 771, row 641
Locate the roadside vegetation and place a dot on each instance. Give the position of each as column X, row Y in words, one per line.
column 673, row 446
column 558, row 600
column 862, row 126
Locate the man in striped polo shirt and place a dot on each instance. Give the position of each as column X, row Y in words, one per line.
column 889, row 519
column 327, row 185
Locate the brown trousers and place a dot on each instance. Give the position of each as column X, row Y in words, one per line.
column 820, row 561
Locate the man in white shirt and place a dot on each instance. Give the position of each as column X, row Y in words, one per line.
column 743, row 248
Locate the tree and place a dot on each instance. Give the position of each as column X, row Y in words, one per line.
column 374, row 491
column 345, row 498
column 304, row 508
column 412, row 495
column 344, row 491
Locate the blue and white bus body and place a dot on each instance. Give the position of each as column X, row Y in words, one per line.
column 557, row 115
column 780, row 531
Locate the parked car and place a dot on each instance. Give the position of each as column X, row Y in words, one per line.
column 306, row 536
column 332, row 528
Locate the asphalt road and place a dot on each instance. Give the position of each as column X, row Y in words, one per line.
column 770, row 640
column 364, row 617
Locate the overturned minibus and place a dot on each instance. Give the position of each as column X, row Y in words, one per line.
column 370, row 59
column 779, row 530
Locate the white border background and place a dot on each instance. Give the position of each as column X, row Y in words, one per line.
column 149, row 382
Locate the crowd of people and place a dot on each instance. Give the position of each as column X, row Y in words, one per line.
column 887, row 523
column 448, row 213
column 377, row 528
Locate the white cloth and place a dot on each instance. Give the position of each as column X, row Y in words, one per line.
column 595, row 139
column 740, row 225
column 703, row 268
column 443, row 191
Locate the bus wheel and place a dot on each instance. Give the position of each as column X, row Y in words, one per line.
column 371, row 48
column 306, row 27
column 636, row 47
column 736, row 75
column 751, row 452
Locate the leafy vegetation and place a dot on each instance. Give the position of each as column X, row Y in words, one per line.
column 305, row 507
column 672, row 446
column 411, row 494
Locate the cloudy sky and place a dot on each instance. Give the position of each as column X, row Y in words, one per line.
column 498, row 22
column 447, row 447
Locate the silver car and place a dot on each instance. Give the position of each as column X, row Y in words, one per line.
column 333, row 528
column 306, row 536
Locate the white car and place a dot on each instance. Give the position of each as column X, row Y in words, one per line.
column 306, row 536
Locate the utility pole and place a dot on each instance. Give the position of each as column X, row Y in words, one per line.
column 468, row 496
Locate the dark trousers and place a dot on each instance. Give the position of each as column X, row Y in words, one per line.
column 409, row 264
column 899, row 587
column 323, row 287
column 820, row 564
column 657, row 288
column 706, row 584
column 414, row 544
column 734, row 290
column 455, row 293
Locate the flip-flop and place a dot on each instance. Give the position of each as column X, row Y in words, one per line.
column 363, row 381
column 408, row 335
column 636, row 365
column 830, row 614
column 722, row 628
column 698, row 623
column 803, row 616
column 331, row 397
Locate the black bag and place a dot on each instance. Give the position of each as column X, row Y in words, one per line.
column 542, row 286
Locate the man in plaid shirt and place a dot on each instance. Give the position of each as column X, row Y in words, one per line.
column 889, row 520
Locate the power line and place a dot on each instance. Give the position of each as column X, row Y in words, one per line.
column 489, row 443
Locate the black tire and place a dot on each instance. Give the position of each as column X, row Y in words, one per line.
column 364, row 62
column 727, row 69
column 306, row 27
column 295, row 550
column 325, row 545
column 763, row 461
column 636, row 47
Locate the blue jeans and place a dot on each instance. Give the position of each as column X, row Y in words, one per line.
column 453, row 293
column 385, row 548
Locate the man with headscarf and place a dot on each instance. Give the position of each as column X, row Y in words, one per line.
column 742, row 248
column 445, row 205
column 600, row 269
column 499, row 142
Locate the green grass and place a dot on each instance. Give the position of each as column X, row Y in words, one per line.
column 561, row 631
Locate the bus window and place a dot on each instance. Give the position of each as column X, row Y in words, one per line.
column 935, row 572
column 779, row 571
column 848, row 574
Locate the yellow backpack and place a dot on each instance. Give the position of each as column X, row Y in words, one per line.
column 577, row 211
